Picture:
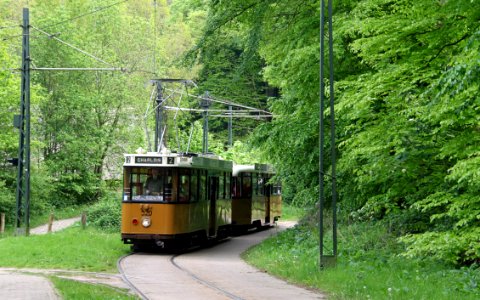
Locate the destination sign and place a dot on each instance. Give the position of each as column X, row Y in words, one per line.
column 148, row 160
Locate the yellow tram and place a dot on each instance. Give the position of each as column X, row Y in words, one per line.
column 172, row 199
column 256, row 201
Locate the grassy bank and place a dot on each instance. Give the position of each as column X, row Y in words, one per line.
column 74, row 290
column 368, row 266
column 72, row 249
column 37, row 220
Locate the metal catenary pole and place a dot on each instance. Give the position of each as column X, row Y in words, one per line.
column 325, row 259
column 230, row 127
column 205, row 105
column 22, row 122
column 332, row 129
column 158, row 114
column 321, row 131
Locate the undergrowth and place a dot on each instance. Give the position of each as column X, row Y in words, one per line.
column 368, row 266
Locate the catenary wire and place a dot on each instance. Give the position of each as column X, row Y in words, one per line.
column 72, row 46
column 226, row 102
column 10, row 26
column 85, row 14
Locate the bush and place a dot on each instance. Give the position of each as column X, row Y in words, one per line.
column 106, row 214
column 7, row 200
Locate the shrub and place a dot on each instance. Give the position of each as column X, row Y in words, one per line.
column 105, row 214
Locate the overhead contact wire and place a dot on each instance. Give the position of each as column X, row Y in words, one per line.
column 73, row 47
column 86, row 14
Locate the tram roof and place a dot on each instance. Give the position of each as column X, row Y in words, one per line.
column 254, row 168
column 167, row 159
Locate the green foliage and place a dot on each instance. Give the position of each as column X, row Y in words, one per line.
column 230, row 67
column 406, row 100
column 71, row 249
column 7, row 200
column 406, row 84
column 458, row 246
column 83, row 121
column 106, row 214
column 240, row 153
column 367, row 252
column 9, row 95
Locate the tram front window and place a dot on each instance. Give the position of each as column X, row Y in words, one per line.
column 161, row 185
column 154, row 184
column 147, row 184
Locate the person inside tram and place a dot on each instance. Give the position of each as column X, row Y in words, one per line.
column 183, row 196
column 154, row 183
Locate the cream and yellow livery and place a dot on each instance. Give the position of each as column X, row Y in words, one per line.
column 256, row 200
column 173, row 199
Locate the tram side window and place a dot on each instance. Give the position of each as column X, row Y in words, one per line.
column 247, row 185
column 126, row 184
column 184, row 186
column 236, row 187
column 228, row 188
column 277, row 188
column 261, row 185
column 194, row 186
column 255, row 183
column 221, row 186
column 203, row 186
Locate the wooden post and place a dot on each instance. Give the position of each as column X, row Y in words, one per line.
column 50, row 222
column 2, row 223
column 84, row 220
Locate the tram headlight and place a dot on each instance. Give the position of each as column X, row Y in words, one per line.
column 146, row 222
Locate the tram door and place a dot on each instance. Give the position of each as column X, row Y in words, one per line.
column 212, row 196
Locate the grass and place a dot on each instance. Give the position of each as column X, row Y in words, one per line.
column 72, row 249
column 59, row 214
column 37, row 220
column 368, row 266
column 74, row 290
column 292, row 213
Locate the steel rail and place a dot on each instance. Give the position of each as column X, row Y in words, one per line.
column 203, row 281
column 126, row 280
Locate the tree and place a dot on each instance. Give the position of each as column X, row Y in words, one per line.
column 9, row 95
column 406, row 109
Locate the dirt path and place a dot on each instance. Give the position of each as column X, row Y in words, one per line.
column 56, row 226
column 14, row 285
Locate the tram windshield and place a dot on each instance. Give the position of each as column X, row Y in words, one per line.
column 147, row 184
column 162, row 185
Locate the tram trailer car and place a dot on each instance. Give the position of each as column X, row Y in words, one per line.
column 172, row 199
column 256, row 201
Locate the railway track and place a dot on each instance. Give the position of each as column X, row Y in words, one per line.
column 210, row 273
column 195, row 277
column 203, row 281
column 126, row 280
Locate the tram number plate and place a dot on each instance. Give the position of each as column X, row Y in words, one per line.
column 148, row 160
